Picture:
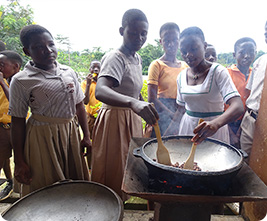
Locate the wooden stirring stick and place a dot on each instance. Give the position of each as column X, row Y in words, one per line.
column 189, row 163
column 162, row 152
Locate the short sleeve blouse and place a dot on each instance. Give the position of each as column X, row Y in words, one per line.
column 209, row 96
column 127, row 75
column 164, row 77
column 47, row 94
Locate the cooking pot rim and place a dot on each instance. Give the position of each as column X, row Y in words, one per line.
column 69, row 182
column 192, row 172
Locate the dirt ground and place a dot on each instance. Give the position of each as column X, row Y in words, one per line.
column 138, row 215
column 134, row 215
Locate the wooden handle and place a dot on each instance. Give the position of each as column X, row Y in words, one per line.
column 162, row 152
column 200, row 121
column 157, row 132
column 156, row 128
column 189, row 163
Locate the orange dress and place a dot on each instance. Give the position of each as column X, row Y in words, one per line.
column 164, row 77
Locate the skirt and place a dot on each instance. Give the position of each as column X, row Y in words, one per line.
column 114, row 128
column 53, row 152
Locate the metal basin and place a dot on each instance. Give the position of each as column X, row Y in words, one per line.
column 75, row 200
column 219, row 163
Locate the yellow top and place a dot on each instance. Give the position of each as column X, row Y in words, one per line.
column 93, row 101
column 4, row 104
column 164, row 77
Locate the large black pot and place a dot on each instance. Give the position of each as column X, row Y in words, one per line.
column 219, row 162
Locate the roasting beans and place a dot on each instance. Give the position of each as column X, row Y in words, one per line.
column 195, row 167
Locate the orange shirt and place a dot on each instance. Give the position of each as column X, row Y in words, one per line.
column 164, row 77
column 240, row 82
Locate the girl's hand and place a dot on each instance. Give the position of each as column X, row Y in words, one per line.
column 22, row 173
column 86, row 143
column 204, row 130
column 146, row 111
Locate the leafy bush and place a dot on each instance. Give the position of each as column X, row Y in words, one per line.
column 144, row 90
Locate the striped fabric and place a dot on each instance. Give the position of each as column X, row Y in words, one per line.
column 47, row 94
column 203, row 114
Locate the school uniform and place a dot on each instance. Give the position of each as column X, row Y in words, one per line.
column 240, row 82
column 205, row 100
column 255, row 85
column 5, row 120
column 52, row 145
column 115, row 126
column 164, row 76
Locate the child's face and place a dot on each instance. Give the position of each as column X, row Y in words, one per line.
column 134, row 35
column 7, row 67
column 210, row 54
column 42, row 50
column 192, row 50
column 245, row 54
column 170, row 41
column 95, row 69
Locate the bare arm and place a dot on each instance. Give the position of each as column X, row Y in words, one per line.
column 87, row 88
column 107, row 95
column 81, row 114
column 4, row 86
column 208, row 128
column 18, row 131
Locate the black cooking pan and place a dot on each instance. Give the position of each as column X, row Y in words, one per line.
column 218, row 161
column 74, row 200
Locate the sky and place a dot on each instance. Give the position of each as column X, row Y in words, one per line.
column 90, row 24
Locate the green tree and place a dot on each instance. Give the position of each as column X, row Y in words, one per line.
column 65, row 42
column 260, row 53
column 95, row 54
column 226, row 59
column 79, row 62
column 13, row 17
column 149, row 53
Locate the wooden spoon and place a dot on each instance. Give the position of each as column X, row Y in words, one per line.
column 189, row 163
column 162, row 152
